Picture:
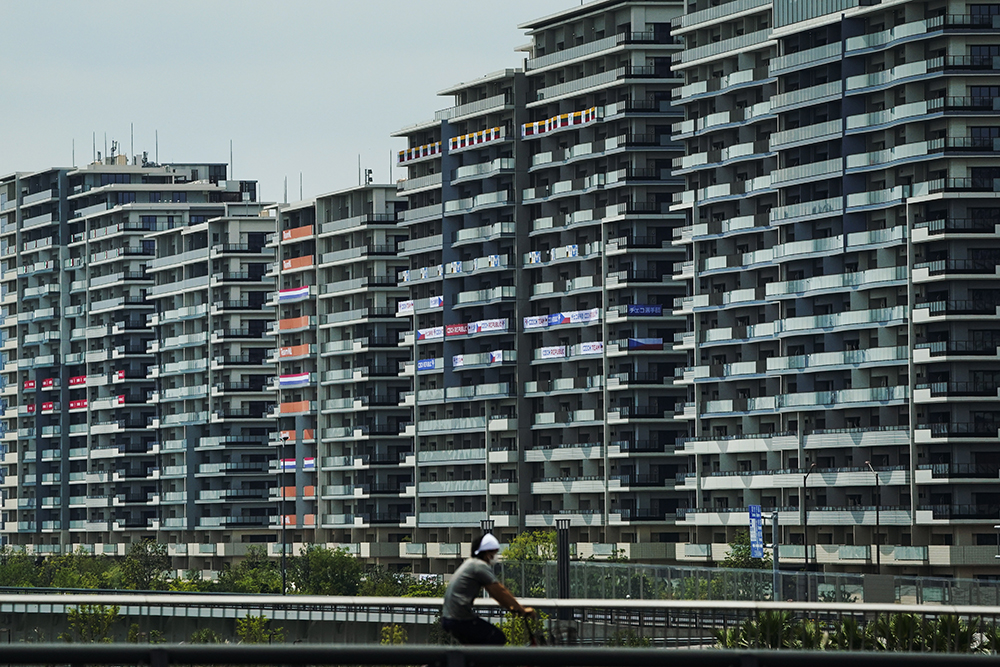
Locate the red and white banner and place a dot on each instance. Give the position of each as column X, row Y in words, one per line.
column 29, row 384
column 77, row 380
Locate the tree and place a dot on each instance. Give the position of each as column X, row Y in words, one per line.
column 534, row 545
column 253, row 575
column 524, row 562
column 91, row 623
column 255, row 630
column 318, row 570
column 146, row 565
column 739, row 554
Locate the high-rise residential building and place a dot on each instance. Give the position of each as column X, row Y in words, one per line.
column 100, row 334
column 212, row 396
column 541, row 291
column 841, row 174
column 345, row 471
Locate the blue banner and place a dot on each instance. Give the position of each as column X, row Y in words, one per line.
column 644, row 309
column 426, row 364
column 756, row 533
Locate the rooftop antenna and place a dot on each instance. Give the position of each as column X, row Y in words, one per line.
column 300, row 187
column 93, row 139
column 131, row 133
column 105, row 143
column 230, row 158
column 157, row 146
column 359, row 168
column 74, row 152
column 286, row 189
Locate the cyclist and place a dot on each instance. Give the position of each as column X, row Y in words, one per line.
column 469, row 580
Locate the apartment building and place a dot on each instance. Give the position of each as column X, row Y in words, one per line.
column 541, row 289
column 92, row 365
column 842, row 259
column 345, row 470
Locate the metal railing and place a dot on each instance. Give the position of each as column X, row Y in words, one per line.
column 347, row 624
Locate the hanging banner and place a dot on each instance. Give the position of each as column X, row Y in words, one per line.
column 426, row 364
column 404, row 307
column 433, row 333
column 485, row 326
column 456, row 330
column 592, row 348
column 293, row 380
column 554, row 352
column 645, row 343
column 644, row 309
column 458, row 361
column 293, row 293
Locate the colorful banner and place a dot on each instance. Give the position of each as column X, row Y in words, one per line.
column 293, row 380
column 562, row 121
column 433, row 333
column 535, row 257
column 455, row 266
column 496, row 356
column 645, row 343
column 288, row 464
column 644, row 309
column 426, row 364
column 592, row 348
column 573, row 250
column 475, row 138
column 48, row 407
column 404, row 276
column 418, row 152
column 73, row 381
column 30, row 408
column 48, row 383
column 536, row 322
column 78, row 405
column 486, row 326
column 458, row 361
column 554, row 352
column 436, row 302
column 294, row 351
column 30, row 384
column 121, row 399
column 293, row 293
column 404, row 306
column 119, row 375
column 456, row 330
column 494, row 261
column 309, row 463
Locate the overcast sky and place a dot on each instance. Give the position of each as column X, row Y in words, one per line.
column 297, row 85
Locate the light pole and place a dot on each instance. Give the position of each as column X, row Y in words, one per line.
column 805, row 517
column 487, row 525
column 878, row 505
column 284, row 517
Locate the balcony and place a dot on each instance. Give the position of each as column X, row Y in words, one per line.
column 602, row 79
column 718, row 49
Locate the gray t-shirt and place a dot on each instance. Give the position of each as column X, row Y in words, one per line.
column 469, row 580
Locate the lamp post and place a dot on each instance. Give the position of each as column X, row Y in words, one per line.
column 805, row 517
column 284, row 517
column 486, row 525
column 878, row 505
column 805, row 529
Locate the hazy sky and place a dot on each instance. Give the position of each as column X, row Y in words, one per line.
column 297, row 85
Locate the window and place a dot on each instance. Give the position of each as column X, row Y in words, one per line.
column 155, row 197
column 178, row 197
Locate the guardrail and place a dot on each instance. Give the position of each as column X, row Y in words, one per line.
column 675, row 624
column 432, row 656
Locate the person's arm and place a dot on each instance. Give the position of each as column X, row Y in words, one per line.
column 507, row 600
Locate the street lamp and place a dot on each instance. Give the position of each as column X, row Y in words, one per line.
column 878, row 505
column 805, row 517
column 284, row 516
column 486, row 525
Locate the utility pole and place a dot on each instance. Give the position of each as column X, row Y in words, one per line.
column 775, row 576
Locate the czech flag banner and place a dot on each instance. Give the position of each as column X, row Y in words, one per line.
column 645, row 343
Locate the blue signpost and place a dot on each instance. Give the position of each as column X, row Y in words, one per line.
column 756, row 533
